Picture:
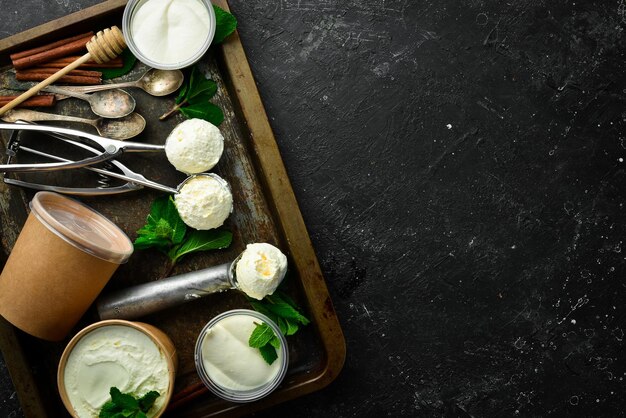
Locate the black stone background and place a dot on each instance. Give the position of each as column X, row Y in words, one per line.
column 459, row 165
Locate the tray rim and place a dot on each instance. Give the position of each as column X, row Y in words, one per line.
column 281, row 198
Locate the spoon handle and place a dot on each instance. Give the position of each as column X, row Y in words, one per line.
column 67, row 92
column 100, row 87
column 34, row 116
column 147, row 298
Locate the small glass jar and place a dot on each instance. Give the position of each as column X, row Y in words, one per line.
column 244, row 395
column 129, row 11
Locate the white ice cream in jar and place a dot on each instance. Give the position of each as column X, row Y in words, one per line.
column 168, row 34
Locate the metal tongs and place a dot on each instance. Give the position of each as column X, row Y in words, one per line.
column 111, row 148
column 104, row 148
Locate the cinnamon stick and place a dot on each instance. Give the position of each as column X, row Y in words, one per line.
column 50, row 71
column 49, row 46
column 44, row 100
column 67, row 79
column 63, row 62
column 54, row 53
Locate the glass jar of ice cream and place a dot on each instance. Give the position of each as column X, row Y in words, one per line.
column 229, row 367
column 168, row 34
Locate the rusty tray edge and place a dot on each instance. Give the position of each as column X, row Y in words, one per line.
column 278, row 187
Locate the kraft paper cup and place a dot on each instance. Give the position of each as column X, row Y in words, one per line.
column 162, row 341
column 63, row 257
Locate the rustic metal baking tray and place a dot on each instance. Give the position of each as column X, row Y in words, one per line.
column 265, row 210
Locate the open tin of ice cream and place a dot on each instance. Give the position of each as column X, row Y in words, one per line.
column 134, row 357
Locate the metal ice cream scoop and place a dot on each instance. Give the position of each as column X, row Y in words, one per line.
column 144, row 299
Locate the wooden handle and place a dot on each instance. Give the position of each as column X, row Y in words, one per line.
column 104, row 46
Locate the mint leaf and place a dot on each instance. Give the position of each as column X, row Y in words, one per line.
column 199, row 85
column 292, row 327
column 145, row 242
column 269, row 353
column 147, row 400
column 261, row 335
column 275, row 342
column 225, row 24
column 213, row 239
column 164, row 227
column 206, row 111
column 124, row 405
column 284, row 310
column 193, row 100
column 122, row 400
column 281, row 309
column 129, row 62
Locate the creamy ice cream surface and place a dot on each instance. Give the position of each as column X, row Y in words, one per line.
column 194, row 146
column 204, row 202
column 230, row 361
column 260, row 270
column 114, row 355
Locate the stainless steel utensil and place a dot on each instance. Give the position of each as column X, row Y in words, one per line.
column 154, row 82
column 113, row 103
column 121, row 128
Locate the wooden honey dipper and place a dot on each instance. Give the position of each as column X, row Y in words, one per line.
column 104, row 46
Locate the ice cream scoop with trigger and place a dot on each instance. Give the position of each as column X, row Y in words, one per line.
column 257, row 272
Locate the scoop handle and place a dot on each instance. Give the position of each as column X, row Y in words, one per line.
column 147, row 298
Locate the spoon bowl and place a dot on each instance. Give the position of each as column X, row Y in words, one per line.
column 161, row 82
column 114, row 103
column 121, row 128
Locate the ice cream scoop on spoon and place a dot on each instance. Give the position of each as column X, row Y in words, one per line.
column 257, row 272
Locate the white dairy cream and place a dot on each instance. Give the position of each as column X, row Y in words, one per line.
column 228, row 359
column 170, row 31
column 260, row 270
column 204, row 202
column 194, row 146
column 114, row 355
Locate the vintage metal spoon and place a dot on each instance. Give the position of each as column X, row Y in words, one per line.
column 114, row 103
column 154, row 82
column 121, row 128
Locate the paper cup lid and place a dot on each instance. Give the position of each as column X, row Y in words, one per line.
column 82, row 227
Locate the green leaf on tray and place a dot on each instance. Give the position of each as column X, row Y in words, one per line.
column 194, row 99
column 129, row 62
column 207, row 111
column 165, row 231
column 124, row 405
column 213, row 239
column 225, row 24
column 281, row 309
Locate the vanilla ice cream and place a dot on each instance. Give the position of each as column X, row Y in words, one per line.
column 260, row 270
column 114, row 355
column 204, row 201
column 194, row 146
column 229, row 360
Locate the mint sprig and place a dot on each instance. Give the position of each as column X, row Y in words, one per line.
column 281, row 309
column 124, row 405
column 165, row 231
column 225, row 24
column 194, row 97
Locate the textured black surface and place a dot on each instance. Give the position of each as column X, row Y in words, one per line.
column 459, row 165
